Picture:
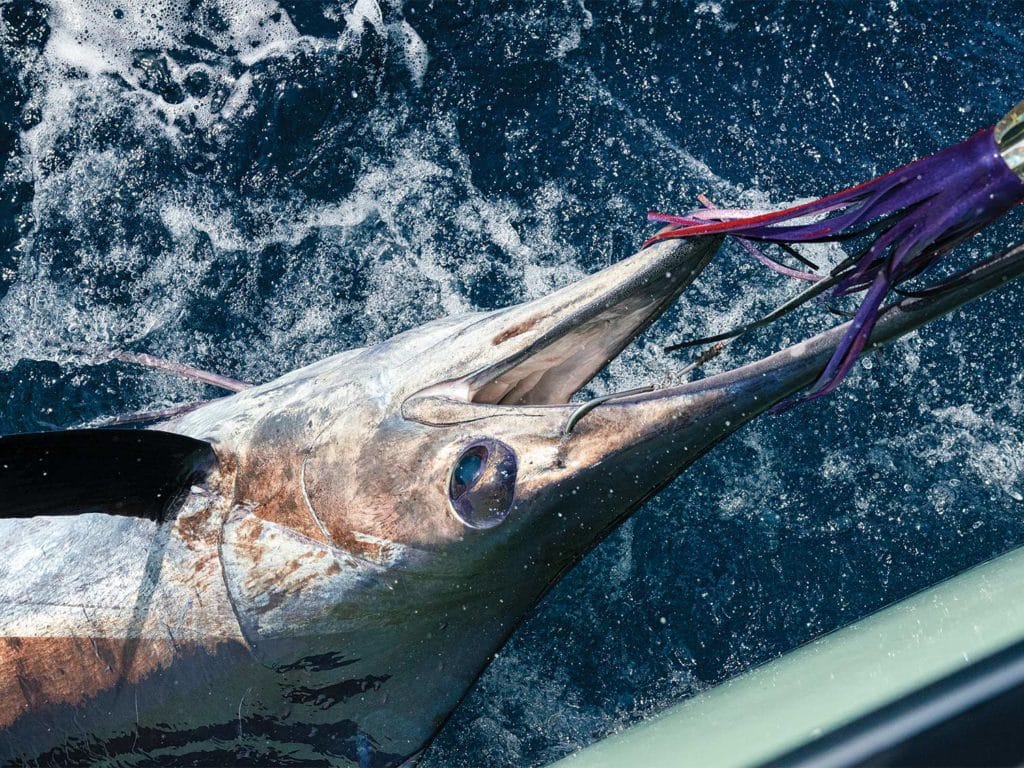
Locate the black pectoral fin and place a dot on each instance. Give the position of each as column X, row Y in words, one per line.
column 137, row 473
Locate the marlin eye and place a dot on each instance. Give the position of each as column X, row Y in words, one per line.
column 470, row 465
column 482, row 484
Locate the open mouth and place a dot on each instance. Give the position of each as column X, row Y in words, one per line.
column 552, row 372
column 557, row 349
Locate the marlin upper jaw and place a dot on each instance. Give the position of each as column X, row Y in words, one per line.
column 541, row 353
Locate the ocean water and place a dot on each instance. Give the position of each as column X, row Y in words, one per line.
column 250, row 185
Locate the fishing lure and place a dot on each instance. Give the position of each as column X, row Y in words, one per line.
column 910, row 216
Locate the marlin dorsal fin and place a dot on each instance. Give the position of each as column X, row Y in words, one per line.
column 135, row 473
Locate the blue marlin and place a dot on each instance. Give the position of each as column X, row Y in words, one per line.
column 316, row 570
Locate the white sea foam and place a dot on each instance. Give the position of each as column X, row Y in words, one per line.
column 364, row 12
column 91, row 62
column 416, row 55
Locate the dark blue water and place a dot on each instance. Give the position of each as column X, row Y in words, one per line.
column 249, row 186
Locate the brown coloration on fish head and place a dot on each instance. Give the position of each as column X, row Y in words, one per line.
column 517, row 329
column 270, row 474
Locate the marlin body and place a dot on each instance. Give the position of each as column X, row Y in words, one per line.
column 316, row 570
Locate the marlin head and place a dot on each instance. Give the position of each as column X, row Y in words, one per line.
column 400, row 508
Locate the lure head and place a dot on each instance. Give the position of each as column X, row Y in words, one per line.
column 1009, row 135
